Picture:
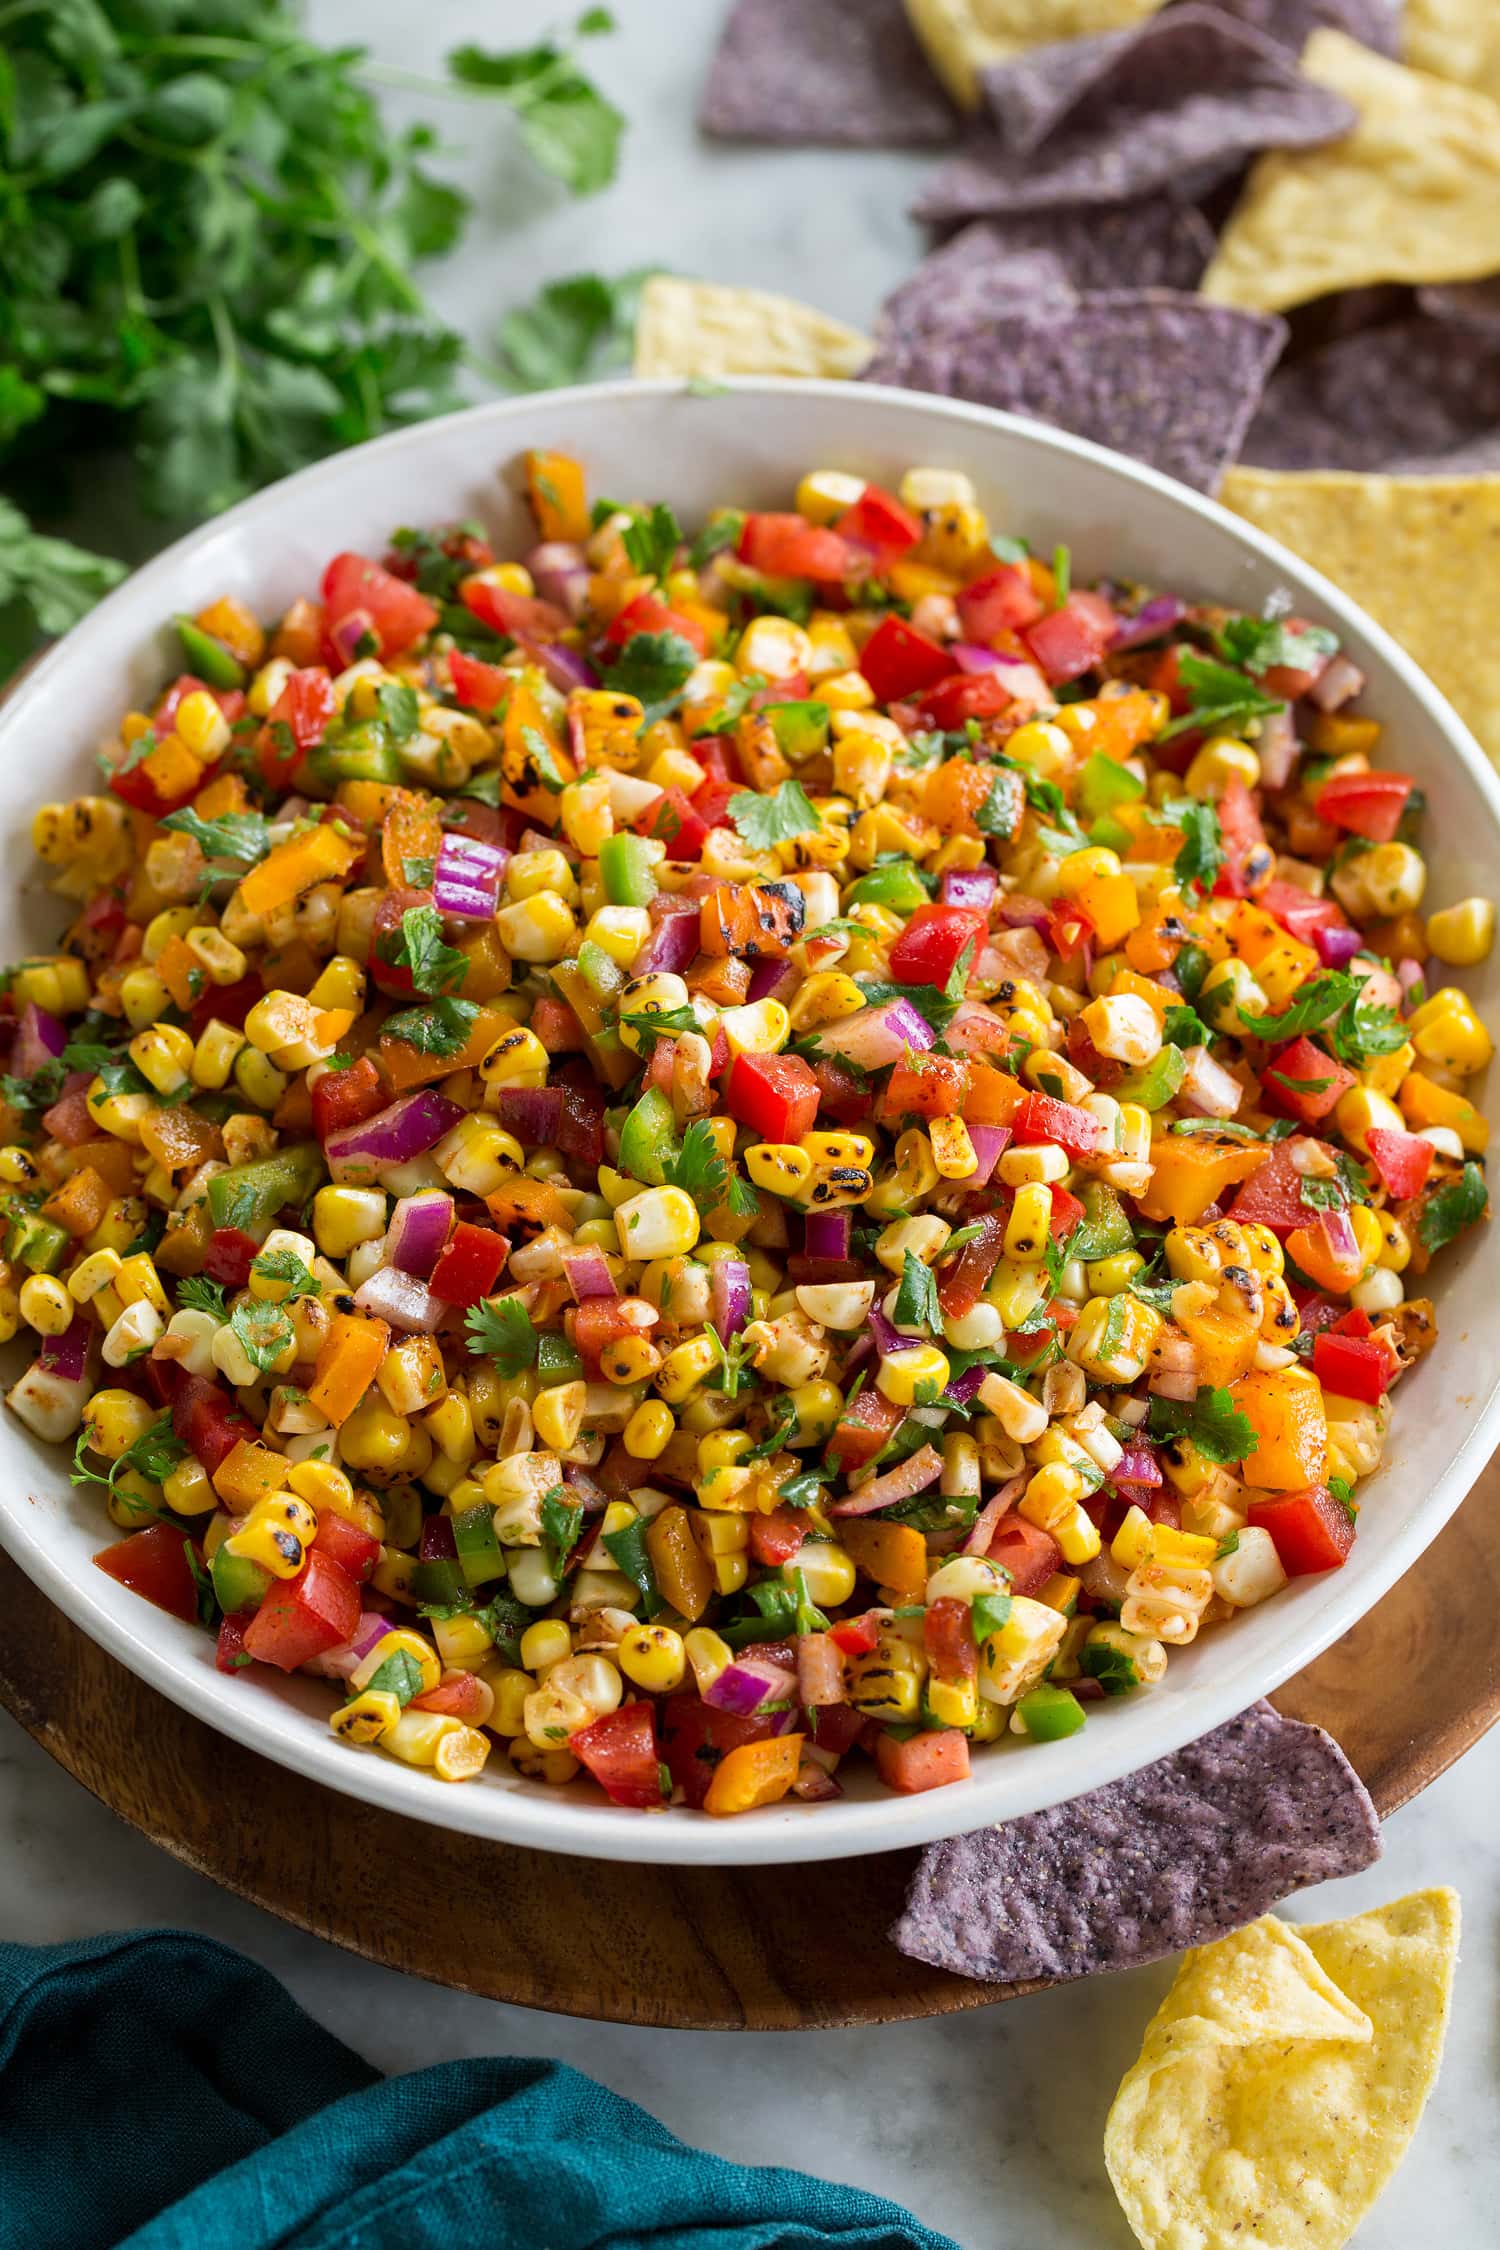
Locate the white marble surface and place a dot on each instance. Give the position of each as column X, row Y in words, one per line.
column 988, row 2125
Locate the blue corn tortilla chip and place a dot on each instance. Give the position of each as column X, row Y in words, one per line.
column 1153, row 244
column 1419, row 396
column 1468, row 304
column 1148, row 372
column 846, row 73
column 1374, row 23
column 1185, row 98
column 1173, row 1856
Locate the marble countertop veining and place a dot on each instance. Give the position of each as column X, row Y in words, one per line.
column 988, row 2124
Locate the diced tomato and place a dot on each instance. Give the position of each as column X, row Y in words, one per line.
column 836, row 1727
column 398, row 614
column 356, row 1552
column 717, row 755
column 1292, row 681
column 925, row 1086
column 1366, row 804
column 1030, row 1554
column 1071, row 640
column 775, row 1538
column 899, row 661
column 1272, row 1196
column 460, row 1696
column 695, row 1739
column 843, row 1099
column 1041, row 1117
column 393, row 978
column 469, row 1265
column 231, row 1655
column 1300, row 914
column 70, row 1120
column 346, row 1097
column 523, row 616
column 1067, row 1212
column 1403, row 1160
column 962, row 1285
column 580, row 1131
column 230, row 1254
column 1068, row 928
column 296, row 723
column 1302, row 1081
column 791, row 547
column 963, row 696
column 597, row 1322
column 620, row 1752
column 1004, row 600
column 649, row 614
column 934, row 941
column 674, row 820
column 710, row 800
column 155, row 1564
column 209, row 1422
column 948, row 1637
column 777, row 1096
column 1310, row 1529
column 305, row 1616
column 1355, row 1322
column 856, row 1636
column 864, row 1428
column 879, row 521
column 227, row 1003
column 1247, row 859
column 483, row 687
column 1352, row 1366
column 922, row 1761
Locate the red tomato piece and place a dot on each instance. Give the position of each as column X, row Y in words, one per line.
column 1067, row 1212
column 580, row 1132
column 674, row 820
column 209, row 1422
column 1351, row 1366
column 355, row 1551
column 1041, row 1117
column 934, row 941
column 964, row 696
column 596, row 1323
column 1299, row 913
column 227, row 1003
column 649, row 614
column 1030, row 1554
column 154, row 1564
column 925, row 1086
column 70, row 1120
column 843, row 1100
column 710, row 800
column 1071, row 640
column 469, row 1265
column 1292, row 681
column 1272, row 1197
column 1366, row 804
column 305, row 1616
column 775, row 1095
column 620, row 1752
column 948, row 1637
column 878, row 520
column 1311, row 1530
column 775, row 1538
column 460, row 1696
column 1003, row 601
column 1403, row 1160
column 791, row 547
column 479, row 685
column 229, row 1256
column 393, row 978
column 523, row 616
column 856, row 1636
column 695, row 1738
column 961, row 1286
column 398, row 614
column 922, row 1761
column 1247, row 858
column 864, row 1428
column 231, row 1655
column 899, row 661
column 346, row 1097
column 304, row 710
column 1302, row 1081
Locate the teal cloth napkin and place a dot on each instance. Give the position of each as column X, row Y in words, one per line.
column 160, row 2092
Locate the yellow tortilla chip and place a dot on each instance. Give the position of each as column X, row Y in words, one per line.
column 1282, row 2078
column 1421, row 554
column 1457, row 39
column 1412, row 194
column 963, row 37
column 701, row 328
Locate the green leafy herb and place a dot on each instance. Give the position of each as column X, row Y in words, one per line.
column 701, row 1172
column 1212, row 1422
column 807, row 1617
column 1320, row 999
column 566, row 124
column 1115, row 1670
column 649, row 1024
column 1214, row 1125
column 805, row 1490
column 734, row 1359
column 399, row 1675
column 1202, row 853
column 734, row 706
column 244, row 838
column 572, row 331
column 1342, row 1490
column 917, row 1298
column 990, row 1613
column 285, row 1265
column 56, row 582
column 264, row 1331
column 1184, row 1027
column 633, row 1557
column 418, row 946
column 1364, row 1030
column 153, row 1455
column 1449, row 1211
column 1000, row 814
column 543, row 760
column 443, row 1028
column 652, row 538
column 197, row 1294
column 776, row 819
column 209, row 1612
column 721, row 531
column 400, row 712
column 1257, row 644
column 500, row 1329
column 562, row 1526
column 1221, row 698
column 654, row 668
column 1228, row 1545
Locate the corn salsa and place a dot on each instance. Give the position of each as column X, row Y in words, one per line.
column 725, row 1150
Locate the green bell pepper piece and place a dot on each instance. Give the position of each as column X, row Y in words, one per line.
column 1050, row 1714
column 648, row 1138
column 441, row 1581
column 1105, row 1229
column 898, row 886
column 1104, row 785
column 556, row 1360
column 602, row 975
column 248, row 1196
column 362, row 752
column 627, row 869
column 479, row 1555
column 1156, row 1082
column 37, row 1243
column 239, row 1583
column 801, row 729
column 209, row 658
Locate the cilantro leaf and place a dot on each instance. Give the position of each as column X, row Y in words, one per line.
column 654, row 668
column 418, row 946
column 937, row 1009
column 562, row 1526
column 1000, row 814
column 1449, row 1211
column 701, row 1172
column 543, row 760
column 1202, row 853
column 264, row 1332
column 1184, row 1027
column 632, row 1556
column 776, row 819
column 651, row 539
column 1114, row 1669
column 990, row 1613
column 1220, row 697
column 651, row 1024
column 1309, row 1009
column 285, row 1265
column 500, row 1329
column 721, row 531
column 242, row 837
column 566, row 125
column 1257, row 644
column 1212, row 1422
column 401, row 715
column 1364, row 1030
column 400, row 1675
column 443, row 1028
column 573, row 331
column 917, row 1298
column 197, row 1294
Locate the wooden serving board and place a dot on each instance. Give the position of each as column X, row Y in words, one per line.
column 1413, row 1686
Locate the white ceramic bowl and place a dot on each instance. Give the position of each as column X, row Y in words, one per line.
column 749, row 446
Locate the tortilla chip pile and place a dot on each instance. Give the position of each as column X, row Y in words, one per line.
column 1282, row 2078
column 1223, row 236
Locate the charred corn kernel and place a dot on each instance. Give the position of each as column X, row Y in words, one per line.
column 545, row 1643
column 517, row 1058
column 557, row 1414
column 1379, row 1291
column 275, row 1534
column 1051, row 1502
column 649, row 1431
column 1145, row 1657
column 343, row 1217
column 371, row 1717
column 172, row 922
column 340, row 984
column 115, row 1419
column 1124, row 1027
column 780, row 1167
column 373, row 1437
column 658, row 1223
column 914, row 1376
column 1112, row 1338
column 1108, row 1276
column 478, row 1155
column 188, row 1489
column 952, row 1149
column 92, row 1274
column 1395, row 1243
column 652, row 1657
column 45, row 1305
column 85, row 830
column 17, row 1167
column 1445, row 1030
column 923, row 490
column 1222, row 759
column 1022, row 1167
column 1463, row 935
column 537, row 929
column 886, row 1683
column 826, row 997
column 774, row 647
column 844, row 690
column 1028, row 1230
column 1018, row 1652
column 121, row 1115
column 629, row 1359
column 221, row 962
column 545, row 871
column 684, row 1368
column 144, row 998
column 619, row 931
column 762, row 1028
column 862, row 767
column 1368, row 1233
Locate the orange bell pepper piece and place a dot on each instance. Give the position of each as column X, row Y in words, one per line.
column 1285, row 1410
column 757, row 1773
column 1111, row 904
column 224, row 794
column 993, row 1097
column 893, row 1554
column 319, row 855
column 1309, row 1247
column 405, row 1066
column 410, row 833
column 246, row 1474
column 79, row 1204
column 1191, row 1171
column 557, row 488
column 682, row 1569
column 524, row 1202
column 352, row 1350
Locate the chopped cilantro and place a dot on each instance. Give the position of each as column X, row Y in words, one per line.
column 1449, row 1211
column 500, row 1329
column 443, row 1028
column 776, row 819
column 1212, row 1422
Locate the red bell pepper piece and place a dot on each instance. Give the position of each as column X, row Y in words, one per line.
column 154, row 1564
column 878, row 520
column 695, row 1739
column 864, row 1428
column 1311, row 1530
column 856, row 1636
column 482, row 687
column 356, row 1552
column 961, row 1286
column 1351, row 1366
column 898, row 661
column 1041, row 1117
column 346, row 1097
column 776, row 1537
column 620, row 1752
column 209, row 1422
column 1071, row 640
column 580, row 1132
column 788, row 546
column 648, row 614
column 229, row 1256
column 1301, row 1081
column 1272, row 1197
column 1004, row 600
column 964, row 696
column 1030, row 1554
column 460, row 1696
column 296, row 723
column 305, row 1616
column 469, row 1264
column 1067, row 1212
column 775, row 1095
column 227, row 1003
column 923, row 1085
column 397, row 613
column 710, row 800
column 1300, row 914
column 934, row 941
column 1366, row 804
column 1403, row 1160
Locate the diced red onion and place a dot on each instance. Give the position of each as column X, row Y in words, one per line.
column 973, row 656
column 987, row 1522
column 748, row 1682
column 671, row 947
column 466, row 880
column 877, row 1036
column 772, row 979
column 1208, row 1089
column 1337, row 684
column 814, row 1785
column 1277, row 748
column 1018, row 675
column 532, row 1113
column 66, row 1356
column 566, row 668
column 560, row 572
column 1336, row 946
column 407, row 1129
column 1137, row 1465
column 1163, row 1507
column 343, row 1663
column 729, row 1296
column 1338, row 1233
column 351, row 631
column 820, row 1671
column 989, row 1145
column 969, row 886
column 886, row 1338
column 420, row 1225
column 977, row 1030
column 588, row 1274
column 1150, row 621
column 437, row 1543
column 963, row 1387
column 826, row 1234
column 1018, row 912
column 593, row 1497
column 40, row 1038
column 401, row 1299
column 903, row 1482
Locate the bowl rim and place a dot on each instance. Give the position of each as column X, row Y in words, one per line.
column 784, row 1834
